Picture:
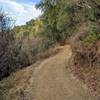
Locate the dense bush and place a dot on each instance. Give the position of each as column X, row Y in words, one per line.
column 86, row 49
column 61, row 17
column 7, row 40
column 93, row 34
column 87, row 54
column 18, row 52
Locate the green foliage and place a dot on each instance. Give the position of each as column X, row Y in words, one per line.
column 93, row 34
column 30, row 29
column 55, row 18
column 60, row 17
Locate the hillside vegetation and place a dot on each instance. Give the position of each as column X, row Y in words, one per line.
column 76, row 22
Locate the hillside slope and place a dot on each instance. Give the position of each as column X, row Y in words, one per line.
column 49, row 81
column 53, row 82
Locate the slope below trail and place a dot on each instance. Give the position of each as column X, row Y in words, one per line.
column 53, row 82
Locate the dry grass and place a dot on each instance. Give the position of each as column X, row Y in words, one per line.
column 85, row 64
column 18, row 86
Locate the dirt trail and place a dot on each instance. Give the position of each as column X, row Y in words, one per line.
column 53, row 82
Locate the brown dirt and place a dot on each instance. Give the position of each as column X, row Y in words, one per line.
column 53, row 82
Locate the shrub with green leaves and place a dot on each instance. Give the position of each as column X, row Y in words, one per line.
column 93, row 34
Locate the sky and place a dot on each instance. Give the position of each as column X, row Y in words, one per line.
column 20, row 10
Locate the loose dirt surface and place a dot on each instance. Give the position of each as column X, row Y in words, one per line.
column 53, row 82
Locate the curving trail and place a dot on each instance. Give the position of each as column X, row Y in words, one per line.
column 53, row 82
